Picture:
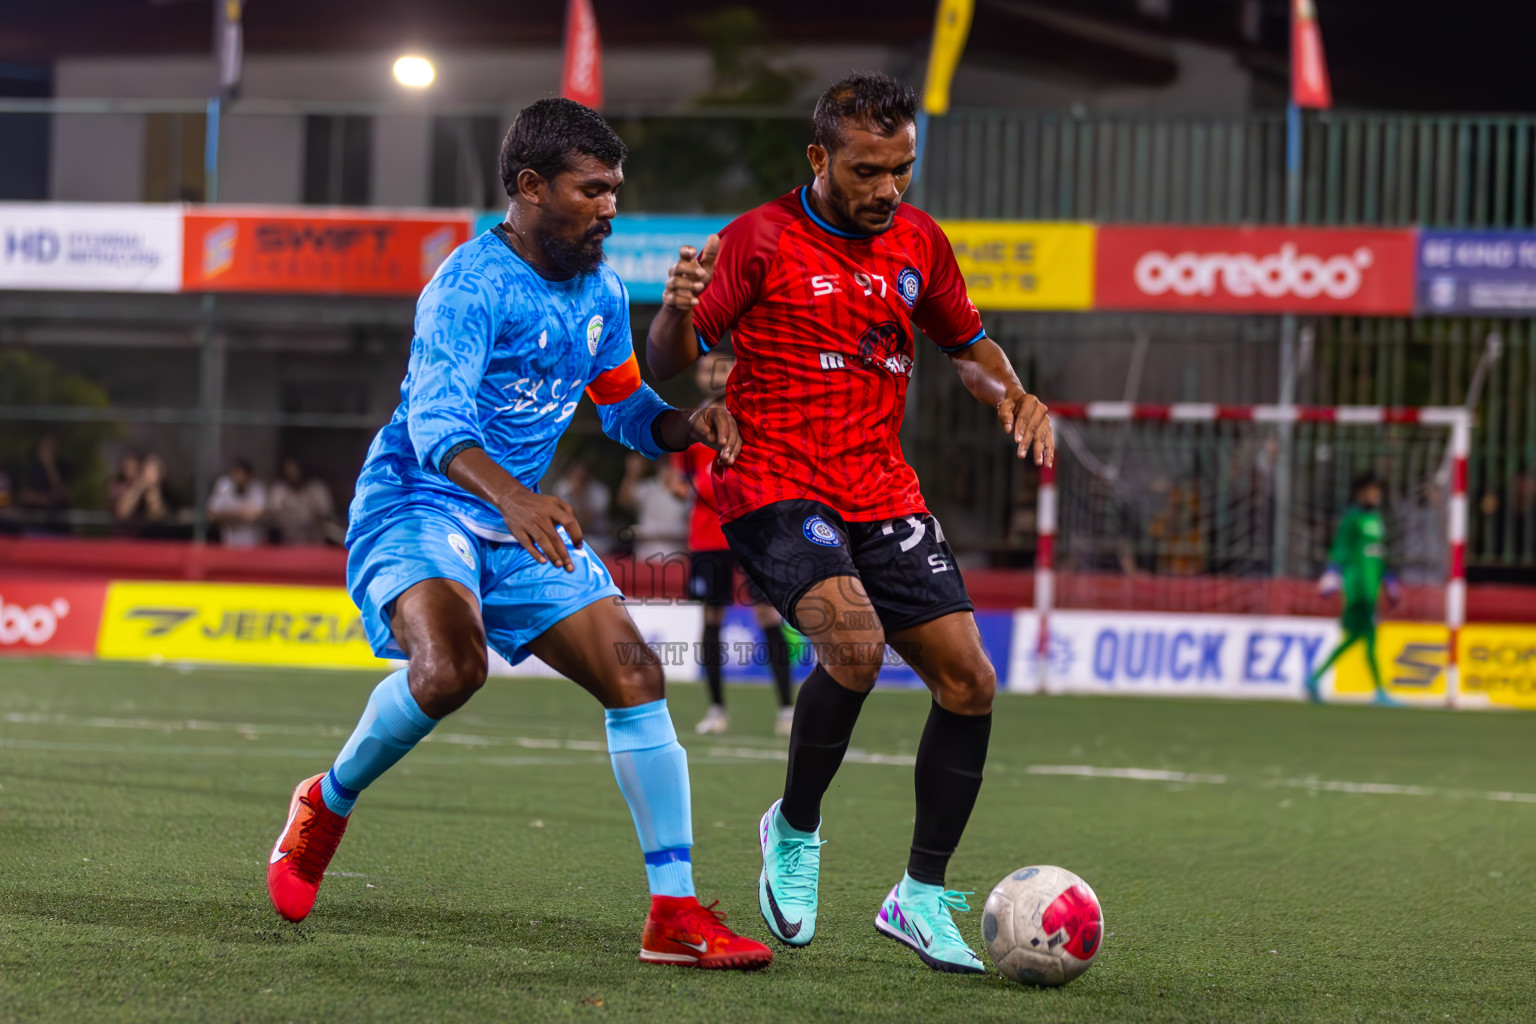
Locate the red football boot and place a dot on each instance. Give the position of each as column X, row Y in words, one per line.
column 681, row 931
column 303, row 849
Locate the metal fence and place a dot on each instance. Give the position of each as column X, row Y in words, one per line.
column 1359, row 168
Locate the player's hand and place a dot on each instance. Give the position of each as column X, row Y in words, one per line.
column 715, row 426
column 533, row 519
column 1026, row 418
column 690, row 275
column 1330, row 582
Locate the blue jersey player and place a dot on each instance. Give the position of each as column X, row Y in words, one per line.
column 452, row 548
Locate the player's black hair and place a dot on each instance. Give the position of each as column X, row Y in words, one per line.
column 876, row 102
column 1363, row 481
column 547, row 134
column 245, row 465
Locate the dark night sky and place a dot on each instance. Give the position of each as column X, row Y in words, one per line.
column 1386, row 54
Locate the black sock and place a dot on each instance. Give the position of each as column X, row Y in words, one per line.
column 950, row 759
column 713, row 656
column 778, row 658
column 824, row 718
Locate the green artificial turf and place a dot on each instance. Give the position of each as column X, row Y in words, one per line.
column 1331, row 864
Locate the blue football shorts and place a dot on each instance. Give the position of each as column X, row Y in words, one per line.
column 519, row 597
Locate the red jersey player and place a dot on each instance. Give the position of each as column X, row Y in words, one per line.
column 712, row 570
column 820, row 290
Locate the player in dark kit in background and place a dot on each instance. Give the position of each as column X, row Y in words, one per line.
column 712, row 572
column 820, row 289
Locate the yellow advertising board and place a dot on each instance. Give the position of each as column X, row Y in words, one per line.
column 1498, row 665
column 1024, row 264
column 1410, row 657
column 237, row 623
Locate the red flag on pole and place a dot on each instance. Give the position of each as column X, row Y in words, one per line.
column 582, row 79
column 1309, row 70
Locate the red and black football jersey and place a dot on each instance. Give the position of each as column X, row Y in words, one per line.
column 821, row 322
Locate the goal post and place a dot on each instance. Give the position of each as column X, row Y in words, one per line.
column 1173, row 508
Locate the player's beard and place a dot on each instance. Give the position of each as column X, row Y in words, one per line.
column 575, row 258
column 845, row 209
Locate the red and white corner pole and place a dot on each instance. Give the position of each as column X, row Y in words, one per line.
column 1045, row 571
column 1456, row 535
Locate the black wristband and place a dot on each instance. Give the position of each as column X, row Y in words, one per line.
column 656, row 433
column 455, row 452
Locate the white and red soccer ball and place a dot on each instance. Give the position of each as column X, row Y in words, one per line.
column 1042, row 926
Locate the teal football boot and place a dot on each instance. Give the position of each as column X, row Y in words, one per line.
column 786, row 890
column 918, row 916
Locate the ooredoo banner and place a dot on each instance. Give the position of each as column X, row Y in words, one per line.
column 43, row 617
column 1255, row 270
column 98, row 247
column 343, row 252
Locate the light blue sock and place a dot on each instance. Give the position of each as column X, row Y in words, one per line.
column 391, row 725
column 652, row 769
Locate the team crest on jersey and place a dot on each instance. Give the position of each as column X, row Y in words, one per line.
column 461, row 548
column 818, row 531
column 908, row 284
column 594, row 333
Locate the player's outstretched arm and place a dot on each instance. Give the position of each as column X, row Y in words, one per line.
column 531, row 518
column 986, row 373
column 672, row 344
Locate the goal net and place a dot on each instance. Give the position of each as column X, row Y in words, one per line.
column 1232, row 509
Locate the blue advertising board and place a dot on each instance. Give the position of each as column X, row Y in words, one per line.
column 1477, row 273
column 644, row 246
column 746, row 655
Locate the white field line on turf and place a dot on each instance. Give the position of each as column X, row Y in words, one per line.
column 721, row 754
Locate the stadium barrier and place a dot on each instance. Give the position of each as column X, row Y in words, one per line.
column 1091, row 652
column 1007, row 264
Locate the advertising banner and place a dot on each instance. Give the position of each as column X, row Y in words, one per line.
column 1255, row 270
column 644, row 246
column 746, row 653
column 254, row 249
column 307, row 627
column 1498, row 666
column 1410, row 657
column 1024, row 265
column 41, row 617
column 98, row 247
column 1165, row 654
column 1482, row 273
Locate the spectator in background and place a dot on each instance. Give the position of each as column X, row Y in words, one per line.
column 589, row 497
column 7, row 503
column 301, row 508
column 238, row 505
column 45, row 487
column 137, row 494
column 659, row 502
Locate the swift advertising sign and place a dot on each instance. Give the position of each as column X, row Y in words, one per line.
column 1255, row 270
column 330, row 253
column 1024, row 265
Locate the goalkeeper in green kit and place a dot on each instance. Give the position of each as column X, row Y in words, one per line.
column 1357, row 564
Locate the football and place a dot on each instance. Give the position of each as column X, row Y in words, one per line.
column 1042, row 925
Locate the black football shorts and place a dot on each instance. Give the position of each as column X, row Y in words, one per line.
column 712, row 580
column 905, row 564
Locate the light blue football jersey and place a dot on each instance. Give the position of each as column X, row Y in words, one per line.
column 500, row 359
